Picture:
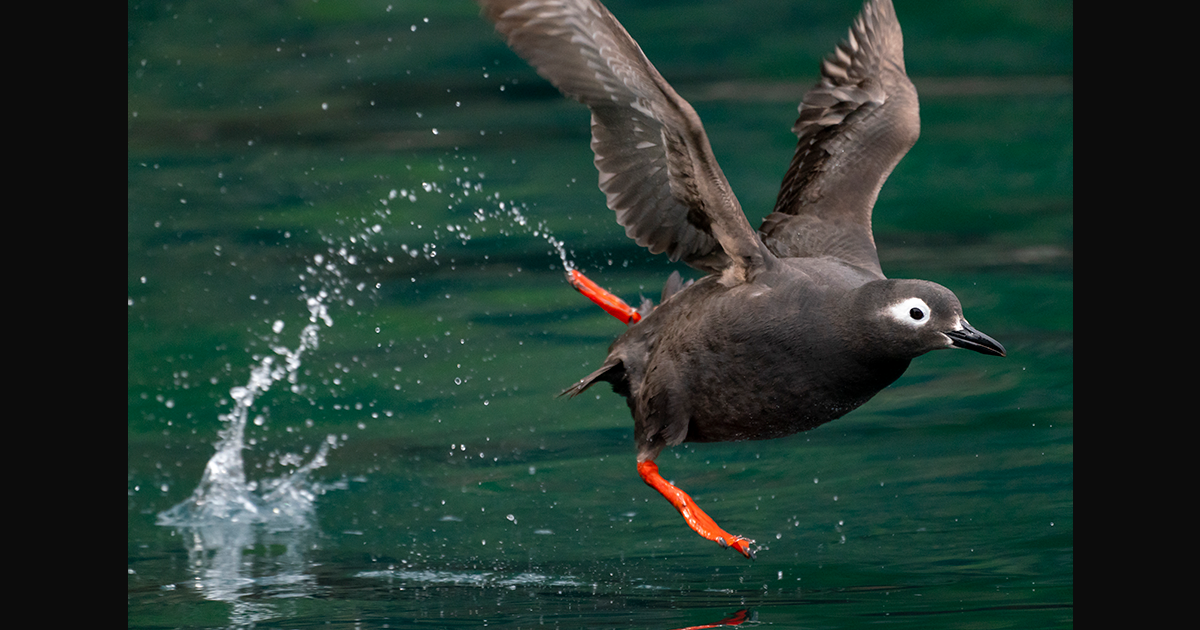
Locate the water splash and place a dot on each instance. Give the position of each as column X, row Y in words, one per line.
column 228, row 514
column 224, row 494
column 490, row 209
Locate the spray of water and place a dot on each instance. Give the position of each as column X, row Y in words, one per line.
column 224, row 494
column 508, row 217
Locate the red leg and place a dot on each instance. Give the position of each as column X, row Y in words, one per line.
column 612, row 304
column 695, row 517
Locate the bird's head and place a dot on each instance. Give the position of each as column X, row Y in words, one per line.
column 907, row 318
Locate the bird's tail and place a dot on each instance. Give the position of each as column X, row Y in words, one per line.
column 612, row 371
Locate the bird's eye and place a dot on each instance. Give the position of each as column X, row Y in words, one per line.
column 911, row 311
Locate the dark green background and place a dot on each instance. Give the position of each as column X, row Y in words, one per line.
column 264, row 134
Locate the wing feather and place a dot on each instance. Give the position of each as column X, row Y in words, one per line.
column 655, row 165
column 854, row 127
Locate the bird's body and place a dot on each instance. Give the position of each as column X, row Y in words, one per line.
column 795, row 325
column 754, row 361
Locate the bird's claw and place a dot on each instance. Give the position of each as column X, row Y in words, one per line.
column 741, row 544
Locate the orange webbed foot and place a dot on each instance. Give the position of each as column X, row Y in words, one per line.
column 696, row 518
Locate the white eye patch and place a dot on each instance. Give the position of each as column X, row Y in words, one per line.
column 910, row 312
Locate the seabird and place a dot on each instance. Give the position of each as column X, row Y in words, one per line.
column 795, row 324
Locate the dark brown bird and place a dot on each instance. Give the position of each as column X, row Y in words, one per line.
column 795, row 325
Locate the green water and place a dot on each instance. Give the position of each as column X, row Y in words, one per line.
column 462, row 493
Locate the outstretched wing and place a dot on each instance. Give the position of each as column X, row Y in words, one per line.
column 656, row 166
column 854, row 127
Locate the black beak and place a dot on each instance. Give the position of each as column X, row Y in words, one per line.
column 972, row 339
